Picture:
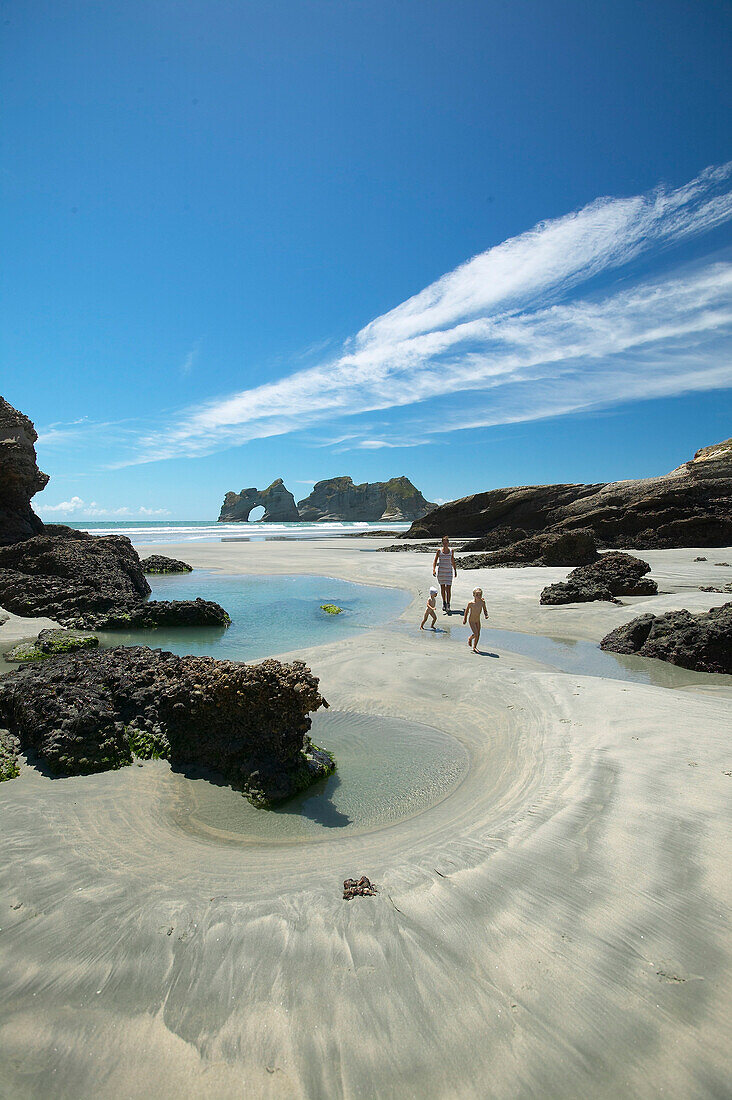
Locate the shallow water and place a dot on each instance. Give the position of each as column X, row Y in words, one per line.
column 269, row 614
column 388, row 770
column 572, row 656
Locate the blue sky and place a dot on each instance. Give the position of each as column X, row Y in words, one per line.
column 476, row 243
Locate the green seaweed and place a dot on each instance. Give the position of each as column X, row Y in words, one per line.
column 303, row 776
column 26, row 651
column 53, row 645
column 331, row 609
column 147, row 746
column 166, row 572
column 8, row 759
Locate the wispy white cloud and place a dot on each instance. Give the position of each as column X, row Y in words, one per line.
column 522, row 328
column 77, row 508
column 190, row 360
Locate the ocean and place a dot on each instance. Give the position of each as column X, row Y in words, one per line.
column 145, row 532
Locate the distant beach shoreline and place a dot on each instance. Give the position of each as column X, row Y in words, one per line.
column 158, row 532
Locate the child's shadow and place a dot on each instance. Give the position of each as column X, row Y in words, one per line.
column 486, row 653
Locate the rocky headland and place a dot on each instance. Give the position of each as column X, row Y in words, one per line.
column 690, row 506
column 334, row 499
column 700, row 642
column 95, row 711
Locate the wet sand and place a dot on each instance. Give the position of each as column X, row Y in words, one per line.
column 557, row 925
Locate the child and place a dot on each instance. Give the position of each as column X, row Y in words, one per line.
column 430, row 609
column 472, row 616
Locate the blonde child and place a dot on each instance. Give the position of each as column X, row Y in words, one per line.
column 472, row 616
column 430, row 609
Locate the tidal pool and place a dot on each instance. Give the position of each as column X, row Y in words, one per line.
column 388, row 770
column 269, row 614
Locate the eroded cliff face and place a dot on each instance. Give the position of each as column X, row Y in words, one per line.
column 277, row 501
column 337, row 498
column 690, row 506
column 20, row 478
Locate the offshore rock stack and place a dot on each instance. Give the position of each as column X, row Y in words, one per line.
column 337, row 499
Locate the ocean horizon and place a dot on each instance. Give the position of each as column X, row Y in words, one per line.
column 144, row 532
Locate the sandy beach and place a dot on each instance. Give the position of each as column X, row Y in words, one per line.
column 556, row 925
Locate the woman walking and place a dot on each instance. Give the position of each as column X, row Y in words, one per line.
column 443, row 567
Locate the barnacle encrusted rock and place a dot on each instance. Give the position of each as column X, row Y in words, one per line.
column 94, row 711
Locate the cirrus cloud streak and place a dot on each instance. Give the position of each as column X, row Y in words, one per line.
column 521, row 328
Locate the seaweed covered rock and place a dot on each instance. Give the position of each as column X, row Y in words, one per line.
column 701, row 642
column 20, row 478
column 158, row 563
column 51, row 643
column 613, row 574
column 96, row 710
column 548, row 548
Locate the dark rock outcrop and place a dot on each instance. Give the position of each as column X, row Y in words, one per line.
column 691, row 506
column 277, row 501
column 71, row 576
column 613, row 574
column 93, row 581
column 51, row 643
column 337, row 498
column 157, row 613
column 20, row 478
column 700, row 642
column 551, row 548
column 95, row 711
column 158, row 563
